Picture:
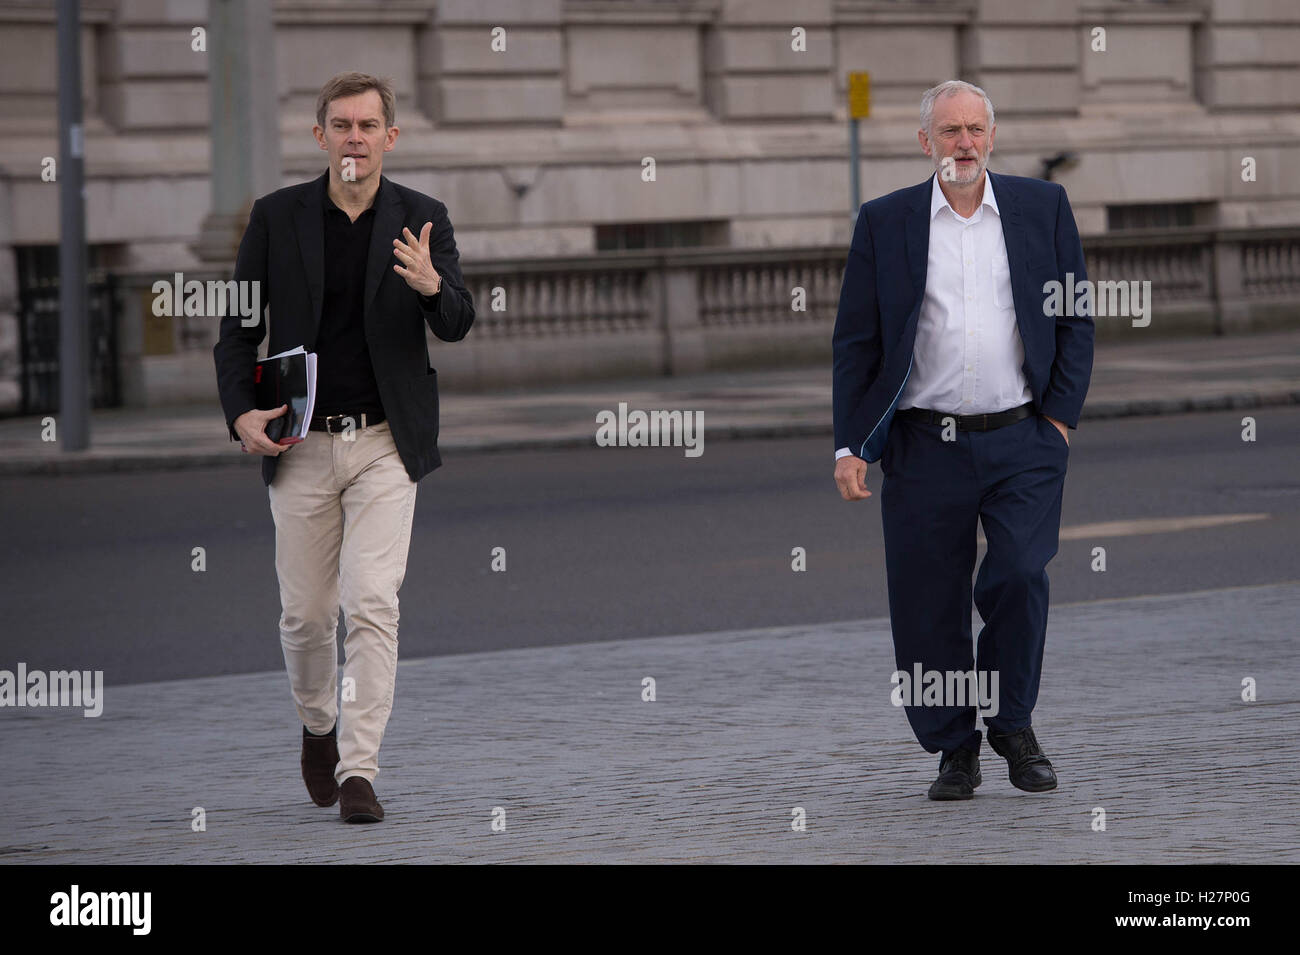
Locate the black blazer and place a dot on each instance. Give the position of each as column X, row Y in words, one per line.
column 284, row 249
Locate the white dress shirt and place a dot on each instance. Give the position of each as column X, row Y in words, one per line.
column 968, row 354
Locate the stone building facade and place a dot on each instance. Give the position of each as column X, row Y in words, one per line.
column 532, row 121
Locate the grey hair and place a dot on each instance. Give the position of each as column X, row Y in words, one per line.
column 945, row 89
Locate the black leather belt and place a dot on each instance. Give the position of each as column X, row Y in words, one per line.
column 968, row 422
column 336, row 423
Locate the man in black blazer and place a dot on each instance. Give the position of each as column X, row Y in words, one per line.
column 955, row 370
column 353, row 267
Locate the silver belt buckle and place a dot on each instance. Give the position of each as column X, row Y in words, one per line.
column 329, row 423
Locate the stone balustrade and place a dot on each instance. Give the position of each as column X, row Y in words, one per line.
column 684, row 311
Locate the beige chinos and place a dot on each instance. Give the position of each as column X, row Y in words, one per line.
column 343, row 506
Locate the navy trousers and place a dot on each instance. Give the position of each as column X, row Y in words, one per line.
column 934, row 493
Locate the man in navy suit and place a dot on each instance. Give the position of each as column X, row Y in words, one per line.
column 953, row 372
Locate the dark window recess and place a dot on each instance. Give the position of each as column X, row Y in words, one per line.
column 1159, row 215
column 38, row 329
column 661, row 235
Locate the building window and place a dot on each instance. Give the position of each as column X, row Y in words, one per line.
column 1159, row 215
column 622, row 236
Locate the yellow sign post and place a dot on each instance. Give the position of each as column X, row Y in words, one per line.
column 859, row 95
column 859, row 108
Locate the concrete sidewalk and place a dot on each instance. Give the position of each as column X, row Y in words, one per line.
column 1157, row 377
column 1140, row 710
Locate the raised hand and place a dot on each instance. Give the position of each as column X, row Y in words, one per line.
column 416, row 266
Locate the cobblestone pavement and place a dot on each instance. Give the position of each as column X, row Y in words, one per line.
column 1140, row 710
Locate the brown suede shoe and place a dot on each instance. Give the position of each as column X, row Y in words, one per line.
column 320, row 757
column 357, row 802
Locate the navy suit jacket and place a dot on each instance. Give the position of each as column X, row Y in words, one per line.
column 884, row 284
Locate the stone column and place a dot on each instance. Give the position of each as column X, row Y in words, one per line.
column 1231, row 314
column 245, row 132
column 679, row 318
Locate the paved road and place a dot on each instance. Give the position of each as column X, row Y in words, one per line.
column 1140, row 709
column 605, row 544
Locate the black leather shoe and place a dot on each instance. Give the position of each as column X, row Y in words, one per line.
column 1027, row 765
column 959, row 774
